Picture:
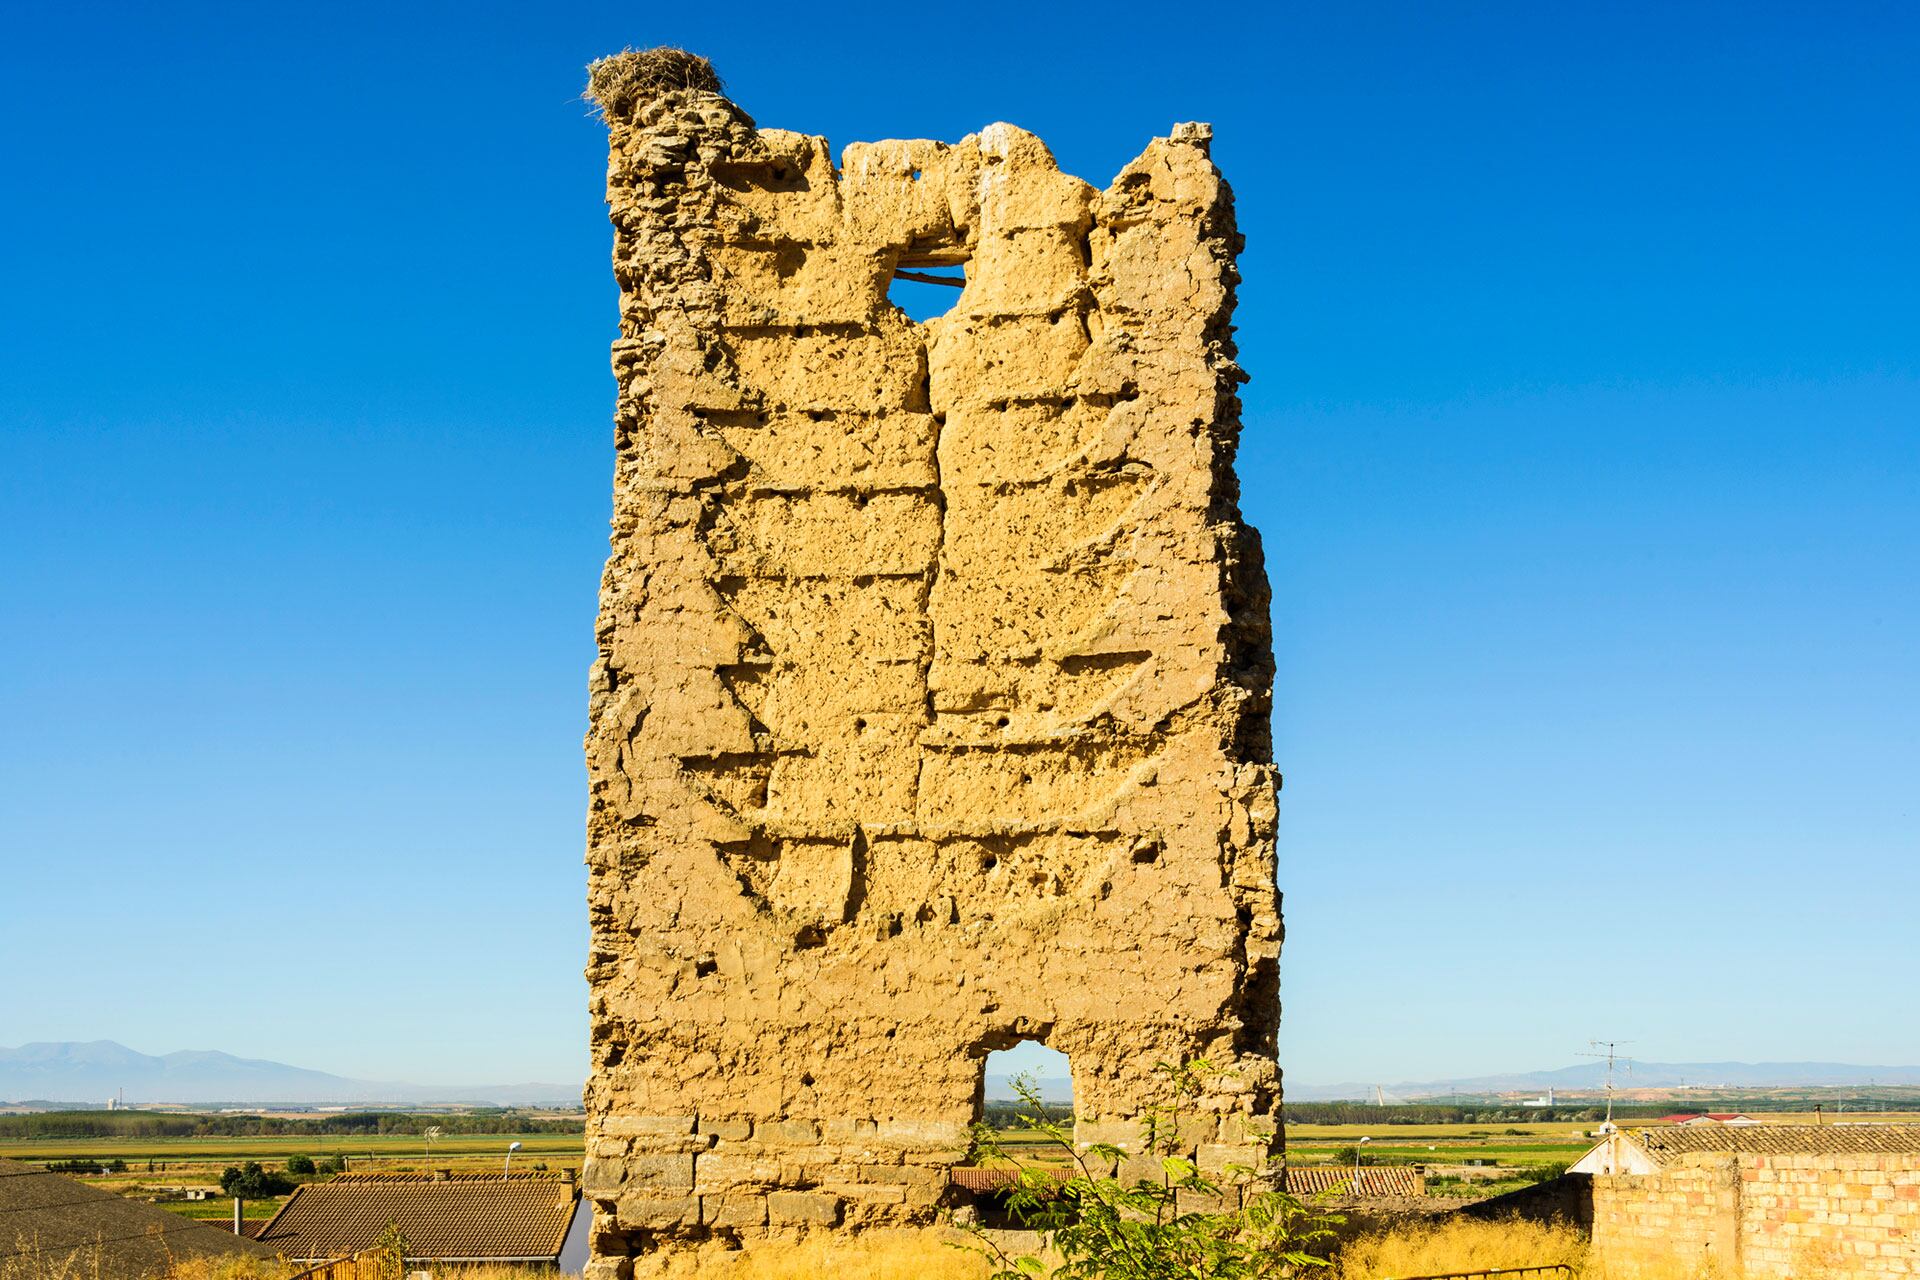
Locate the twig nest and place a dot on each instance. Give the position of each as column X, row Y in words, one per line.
column 619, row 83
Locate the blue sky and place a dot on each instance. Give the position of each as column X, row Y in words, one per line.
column 1584, row 435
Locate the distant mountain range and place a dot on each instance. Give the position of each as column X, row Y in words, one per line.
column 94, row 1071
column 1052, row 1089
column 1643, row 1075
column 90, row 1073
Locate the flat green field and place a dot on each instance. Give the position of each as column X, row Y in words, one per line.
column 198, row 1162
column 1509, row 1145
column 376, row 1150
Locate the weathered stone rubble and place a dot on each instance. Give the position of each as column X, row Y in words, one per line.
column 931, row 706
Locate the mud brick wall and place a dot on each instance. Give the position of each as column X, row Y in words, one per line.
column 934, row 678
column 1764, row 1216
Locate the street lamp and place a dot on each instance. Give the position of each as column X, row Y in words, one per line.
column 1356, row 1163
column 511, row 1148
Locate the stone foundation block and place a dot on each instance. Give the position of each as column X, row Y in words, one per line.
column 1215, row 1158
column 1114, row 1133
column 871, row 1192
column 619, row 1126
column 602, row 1178
column 803, row 1208
column 640, row 1209
column 715, row 1172
column 733, row 1211
column 661, row 1173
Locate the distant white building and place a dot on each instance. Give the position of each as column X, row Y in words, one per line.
column 1734, row 1118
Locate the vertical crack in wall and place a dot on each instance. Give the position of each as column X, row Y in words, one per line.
column 930, row 663
column 933, row 574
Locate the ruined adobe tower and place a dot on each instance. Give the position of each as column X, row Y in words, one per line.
column 931, row 707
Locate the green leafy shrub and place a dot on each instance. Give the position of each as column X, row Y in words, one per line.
column 1103, row 1228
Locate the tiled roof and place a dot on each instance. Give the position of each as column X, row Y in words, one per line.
column 1665, row 1145
column 53, row 1225
column 1375, row 1180
column 460, row 1216
column 997, row 1177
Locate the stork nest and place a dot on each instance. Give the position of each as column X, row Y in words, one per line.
column 625, row 80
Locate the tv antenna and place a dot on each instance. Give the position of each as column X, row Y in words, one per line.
column 433, row 1132
column 1611, row 1054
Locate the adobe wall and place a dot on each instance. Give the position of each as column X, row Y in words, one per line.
column 1764, row 1216
column 931, row 706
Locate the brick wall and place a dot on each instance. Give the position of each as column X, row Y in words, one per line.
column 1861, row 1212
column 1763, row 1216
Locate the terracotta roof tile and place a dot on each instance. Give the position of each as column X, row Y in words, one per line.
column 462, row 1216
column 1375, row 1180
column 1665, row 1145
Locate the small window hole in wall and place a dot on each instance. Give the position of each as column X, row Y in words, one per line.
column 1046, row 1070
column 926, row 284
column 1000, row 1108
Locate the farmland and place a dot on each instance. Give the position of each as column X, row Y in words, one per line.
column 1463, row 1158
column 161, row 1165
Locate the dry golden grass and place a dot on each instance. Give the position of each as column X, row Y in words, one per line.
column 1451, row 1245
column 228, row 1269
column 86, row 1262
column 1455, row 1245
column 873, row 1255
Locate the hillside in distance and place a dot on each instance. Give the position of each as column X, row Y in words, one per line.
column 1051, row 1088
column 91, row 1072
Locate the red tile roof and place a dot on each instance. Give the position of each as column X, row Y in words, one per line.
column 464, row 1216
column 998, row 1178
column 1375, row 1180
column 1664, row 1145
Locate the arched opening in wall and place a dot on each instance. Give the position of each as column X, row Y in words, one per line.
column 1046, row 1070
column 927, row 286
column 1048, row 1075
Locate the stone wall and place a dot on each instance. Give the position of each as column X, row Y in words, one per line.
column 931, row 706
column 1763, row 1216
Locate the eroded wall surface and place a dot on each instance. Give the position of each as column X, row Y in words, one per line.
column 931, row 707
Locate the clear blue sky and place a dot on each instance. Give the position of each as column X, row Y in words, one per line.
column 1584, row 434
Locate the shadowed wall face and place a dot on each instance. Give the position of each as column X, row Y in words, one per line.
column 931, row 707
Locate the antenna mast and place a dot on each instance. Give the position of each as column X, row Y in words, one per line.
column 1611, row 1046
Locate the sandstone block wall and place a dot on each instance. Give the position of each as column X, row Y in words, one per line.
column 1764, row 1216
column 931, row 706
